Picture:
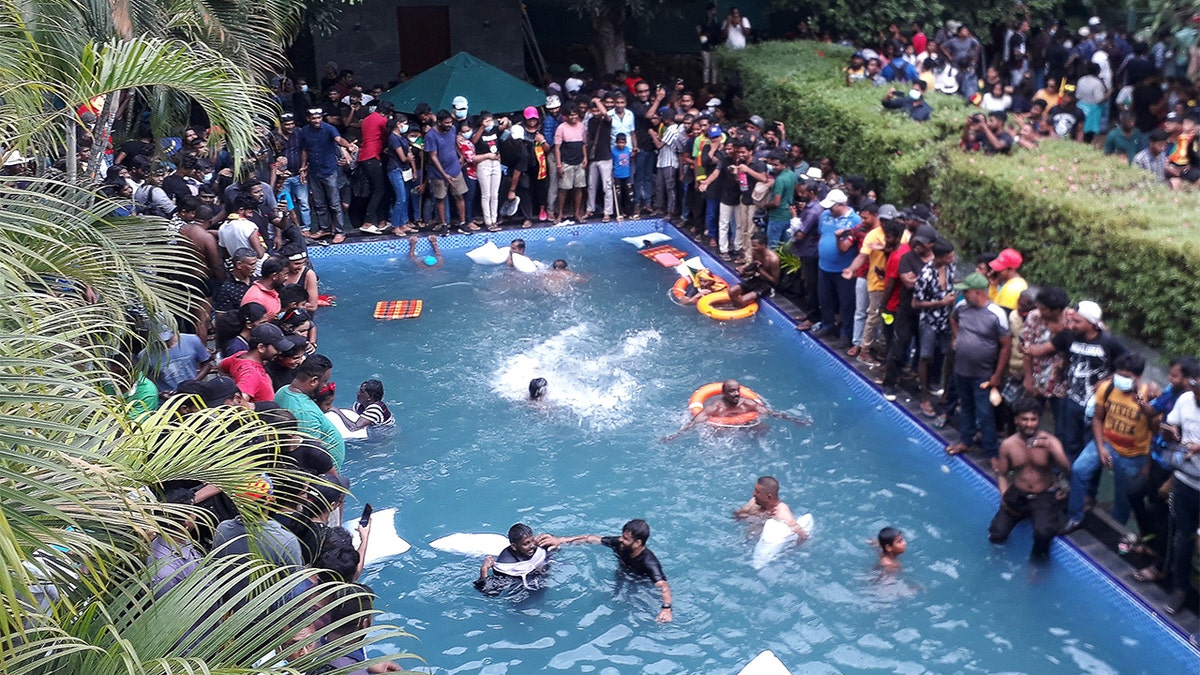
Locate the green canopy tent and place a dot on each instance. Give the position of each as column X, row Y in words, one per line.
column 485, row 87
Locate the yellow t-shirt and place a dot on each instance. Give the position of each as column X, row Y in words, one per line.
column 929, row 79
column 1126, row 427
column 872, row 247
column 1007, row 294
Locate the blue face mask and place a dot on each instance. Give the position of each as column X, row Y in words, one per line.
column 1123, row 383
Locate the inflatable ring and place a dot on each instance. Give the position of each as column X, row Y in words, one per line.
column 705, row 307
column 679, row 290
column 701, row 395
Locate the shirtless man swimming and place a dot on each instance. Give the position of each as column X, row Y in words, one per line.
column 1024, row 472
column 765, row 504
column 730, row 403
column 760, row 276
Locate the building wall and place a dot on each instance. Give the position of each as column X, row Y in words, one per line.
column 368, row 41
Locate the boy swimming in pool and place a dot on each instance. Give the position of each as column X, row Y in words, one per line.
column 429, row 261
column 522, row 559
column 891, row 545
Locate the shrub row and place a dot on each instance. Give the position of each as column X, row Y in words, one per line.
column 1083, row 221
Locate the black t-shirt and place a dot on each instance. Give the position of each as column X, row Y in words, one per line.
column 1065, row 119
column 489, row 141
column 910, row 263
column 641, row 125
column 599, row 139
column 396, row 141
column 748, row 193
column 307, row 532
column 644, row 565
column 1006, row 143
column 1088, row 361
column 729, row 192
column 1146, row 96
column 133, row 149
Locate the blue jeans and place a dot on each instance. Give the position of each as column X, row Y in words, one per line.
column 643, row 177
column 775, row 230
column 712, row 211
column 976, row 414
column 836, row 297
column 1072, row 431
column 469, row 199
column 299, row 193
column 1087, row 465
column 325, row 195
column 400, row 206
column 861, row 303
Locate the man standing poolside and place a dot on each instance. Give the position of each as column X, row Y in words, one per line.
column 630, row 549
column 730, row 403
column 1025, row 476
column 765, row 503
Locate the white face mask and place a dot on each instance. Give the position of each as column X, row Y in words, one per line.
column 304, row 87
column 403, row 128
column 1123, row 383
column 914, row 94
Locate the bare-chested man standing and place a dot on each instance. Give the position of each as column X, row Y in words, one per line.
column 1024, row 471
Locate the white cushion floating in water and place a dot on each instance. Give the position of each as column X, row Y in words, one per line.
column 525, row 265
column 465, row 543
column 775, row 537
column 652, row 237
column 384, row 542
column 489, row 254
column 765, row 663
column 356, row 435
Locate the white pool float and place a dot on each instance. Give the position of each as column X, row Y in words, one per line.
column 384, row 542
column 765, row 663
column 525, row 265
column 775, row 537
column 465, row 543
column 489, row 254
column 356, row 435
column 652, row 237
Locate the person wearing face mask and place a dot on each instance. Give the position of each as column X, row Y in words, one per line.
column 467, row 150
column 914, row 103
column 400, row 172
column 1123, row 424
column 486, row 140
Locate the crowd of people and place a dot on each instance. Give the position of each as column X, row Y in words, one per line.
column 881, row 282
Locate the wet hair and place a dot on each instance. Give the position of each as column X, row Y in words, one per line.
column 888, row 536
column 336, row 560
column 537, row 388
column 518, row 532
column 638, row 529
column 559, row 264
column 1027, row 404
column 1131, row 362
column 314, row 366
column 1053, row 297
column 518, row 244
column 292, row 294
column 372, row 388
column 770, row 483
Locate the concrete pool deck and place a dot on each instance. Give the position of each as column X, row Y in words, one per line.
column 1097, row 541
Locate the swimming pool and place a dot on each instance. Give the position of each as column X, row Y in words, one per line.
column 621, row 359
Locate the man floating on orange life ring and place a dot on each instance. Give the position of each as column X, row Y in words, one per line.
column 736, row 406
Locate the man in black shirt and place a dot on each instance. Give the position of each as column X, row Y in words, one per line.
column 631, row 550
column 905, row 323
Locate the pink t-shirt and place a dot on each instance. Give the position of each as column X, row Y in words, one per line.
column 251, row 378
column 266, row 298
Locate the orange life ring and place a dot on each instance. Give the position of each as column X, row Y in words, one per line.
column 679, row 289
column 705, row 307
column 701, row 395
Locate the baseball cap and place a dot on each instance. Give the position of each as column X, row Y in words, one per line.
column 974, row 282
column 552, row 102
column 459, row 103
column 814, row 172
column 835, row 196
column 713, row 103
column 925, row 234
column 715, row 131
column 293, row 342
column 531, row 113
column 757, row 121
column 888, row 212
column 575, row 68
column 1174, row 116
column 268, row 334
column 921, row 212
column 1008, row 259
column 1091, row 312
column 287, row 117
column 214, row 392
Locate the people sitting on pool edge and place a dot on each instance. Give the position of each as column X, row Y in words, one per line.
column 1025, row 476
column 523, row 558
column 431, row 261
column 730, row 403
column 760, row 276
column 891, row 545
column 765, row 504
column 630, row 549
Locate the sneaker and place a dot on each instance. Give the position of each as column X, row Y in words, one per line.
column 889, row 393
column 1176, row 602
column 937, row 392
column 866, row 359
column 1072, row 525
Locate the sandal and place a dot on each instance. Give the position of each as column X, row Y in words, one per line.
column 927, row 409
column 1149, row 575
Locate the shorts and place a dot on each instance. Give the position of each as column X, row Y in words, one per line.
column 573, row 177
column 439, row 186
column 759, row 286
column 932, row 340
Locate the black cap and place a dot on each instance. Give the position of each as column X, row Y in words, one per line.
column 268, row 334
column 217, row 390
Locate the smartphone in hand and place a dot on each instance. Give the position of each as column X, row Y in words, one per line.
column 366, row 516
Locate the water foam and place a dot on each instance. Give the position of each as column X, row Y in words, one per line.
column 586, row 375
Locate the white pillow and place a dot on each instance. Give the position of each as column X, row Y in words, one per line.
column 488, row 254
column 652, row 237
column 523, row 264
column 384, row 541
column 464, row 543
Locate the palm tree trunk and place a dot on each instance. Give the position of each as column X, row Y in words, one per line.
column 101, row 131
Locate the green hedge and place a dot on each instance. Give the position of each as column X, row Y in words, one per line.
column 1083, row 221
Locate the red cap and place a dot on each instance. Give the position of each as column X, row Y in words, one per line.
column 1009, row 259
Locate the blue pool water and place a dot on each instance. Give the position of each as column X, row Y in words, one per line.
column 621, row 360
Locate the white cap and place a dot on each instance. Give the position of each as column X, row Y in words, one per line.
column 713, row 102
column 835, row 196
column 1094, row 21
column 814, row 172
column 1084, row 32
column 553, row 102
column 459, row 102
column 1091, row 313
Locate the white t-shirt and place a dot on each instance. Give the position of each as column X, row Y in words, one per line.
column 1186, row 416
column 236, row 233
column 735, row 36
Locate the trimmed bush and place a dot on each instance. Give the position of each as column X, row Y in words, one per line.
column 1083, row 221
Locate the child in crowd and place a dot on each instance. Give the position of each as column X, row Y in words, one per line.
column 891, row 546
column 622, row 158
